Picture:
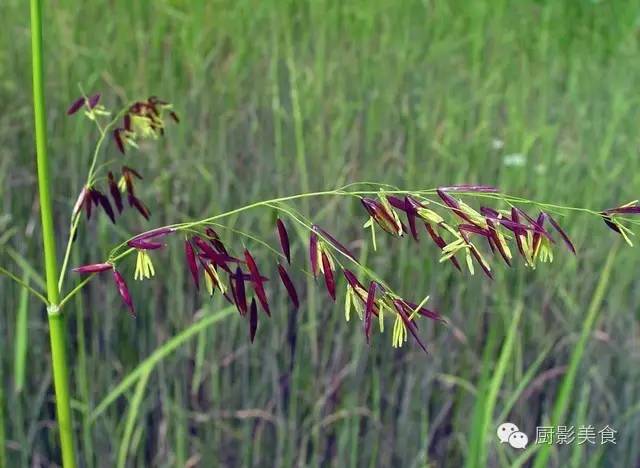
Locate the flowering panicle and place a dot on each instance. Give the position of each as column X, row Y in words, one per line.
column 463, row 234
column 377, row 300
column 469, row 228
column 144, row 119
column 91, row 196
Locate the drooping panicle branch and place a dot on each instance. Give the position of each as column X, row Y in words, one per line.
column 463, row 234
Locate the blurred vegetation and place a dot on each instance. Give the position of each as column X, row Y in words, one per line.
column 537, row 97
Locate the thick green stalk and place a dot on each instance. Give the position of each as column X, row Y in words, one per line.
column 56, row 320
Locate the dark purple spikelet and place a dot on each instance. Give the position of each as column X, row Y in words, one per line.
column 143, row 244
column 489, row 212
column 371, row 205
column 234, row 295
column 411, row 209
column 607, row 216
column 247, row 277
column 93, row 101
column 104, row 203
column 139, row 205
column 352, row 279
column 211, row 233
column 288, row 284
column 123, row 290
column 515, row 218
column 472, row 228
column 256, row 281
column 448, row 199
column 117, row 137
column 563, row 234
column 155, row 233
column 397, row 202
column 253, row 319
column 401, row 304
column 240, row 293
column 368, row 311
column 190, row 256
column 496, row 241
column 284, row 239
column 483, row 265
column 333, row 241
column 624, row 210
column 76, row 105
column 536, row 227
column 127, row 122
column 115, row 192
column 218, row 258
column 381, row 216
column 174, row 116
column 329, row 279
column 313, row 252
column 215, row 241
column 206, row 249
column 453, row 205
column 476, row 254
column 92, row 268
column 537, row 237
column 431, row 314
column 129, row 172
column 610, row 224
column 87, row 202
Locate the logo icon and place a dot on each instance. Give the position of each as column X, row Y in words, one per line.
column 509, row 433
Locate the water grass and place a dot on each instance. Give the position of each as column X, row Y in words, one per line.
column 411, row 92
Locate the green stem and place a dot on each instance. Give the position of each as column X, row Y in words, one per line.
column 75, row 217
column 56, row 320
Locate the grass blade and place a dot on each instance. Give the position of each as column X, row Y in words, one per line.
column 158, row 355
column 566, row 387
column 497, row 378
column 21, row 338
column 134, row 407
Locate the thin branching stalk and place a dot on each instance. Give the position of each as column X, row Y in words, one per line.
column 56, row 319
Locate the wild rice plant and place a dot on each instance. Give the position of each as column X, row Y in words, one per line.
column 499, row 230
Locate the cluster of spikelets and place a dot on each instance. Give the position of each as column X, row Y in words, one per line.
column 463, row 234
column 141, row 120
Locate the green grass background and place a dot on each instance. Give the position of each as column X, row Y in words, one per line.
column 280, row 97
